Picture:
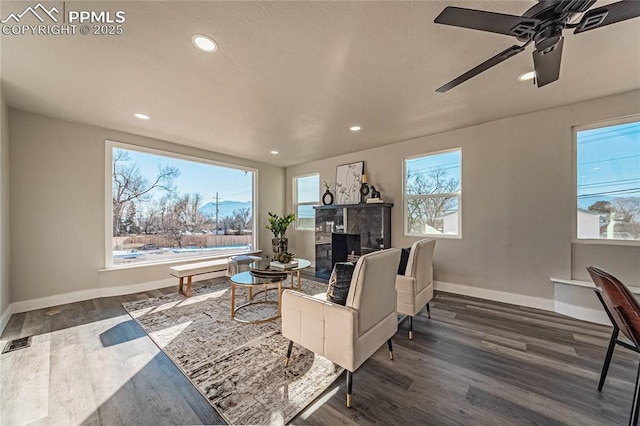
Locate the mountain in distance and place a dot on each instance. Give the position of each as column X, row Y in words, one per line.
column 225, row 208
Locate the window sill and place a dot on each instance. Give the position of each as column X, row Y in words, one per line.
column 175, row 261
column 444, row 236
column 628, row 243
column 587, row 284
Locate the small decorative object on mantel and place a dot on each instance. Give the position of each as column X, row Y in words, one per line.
column 375, row 196
column 348, row 180
column 364, row 189
column 278, row 225
column 327, row 198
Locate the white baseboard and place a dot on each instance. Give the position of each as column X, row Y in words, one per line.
column 4, row 319
column 587, row 314
column 575, row 311
column 78, row 296
column 495, row 295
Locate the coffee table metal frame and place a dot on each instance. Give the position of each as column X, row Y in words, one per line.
column 245, row 279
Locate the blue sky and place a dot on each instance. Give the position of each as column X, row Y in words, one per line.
column 308, row 191
column 608, row 163
column 205, row 179
column 449, row 161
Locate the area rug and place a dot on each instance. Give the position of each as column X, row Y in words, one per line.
column 238, row 367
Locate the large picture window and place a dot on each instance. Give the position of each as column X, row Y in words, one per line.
column 608, row 182
column 306, row 192
column 432, row 190
column 169, row 207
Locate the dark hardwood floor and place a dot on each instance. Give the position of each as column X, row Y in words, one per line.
column 474, row 362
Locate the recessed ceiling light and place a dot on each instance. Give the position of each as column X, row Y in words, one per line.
column 204, row 43
column 274, row 152
column 527, row 76
column 141, row 116
column 355, row 128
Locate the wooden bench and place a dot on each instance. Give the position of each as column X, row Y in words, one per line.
column 190, row 270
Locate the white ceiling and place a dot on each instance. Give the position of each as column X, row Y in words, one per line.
column 293, row 76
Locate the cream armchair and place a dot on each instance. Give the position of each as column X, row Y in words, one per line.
column 347, row 335
column 415, row 287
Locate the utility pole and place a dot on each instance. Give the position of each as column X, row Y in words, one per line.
column 217, row 212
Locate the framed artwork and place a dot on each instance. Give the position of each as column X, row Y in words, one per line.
column 348, row 181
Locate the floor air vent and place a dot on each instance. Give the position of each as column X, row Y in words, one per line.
column 14, row 345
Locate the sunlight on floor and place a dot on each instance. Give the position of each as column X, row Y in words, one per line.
column 202, row 297
column 167, row 335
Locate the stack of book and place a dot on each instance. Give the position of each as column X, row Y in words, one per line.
column 280, row 265
column 374, row 200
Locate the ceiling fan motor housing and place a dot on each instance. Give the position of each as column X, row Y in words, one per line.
column 548, row 38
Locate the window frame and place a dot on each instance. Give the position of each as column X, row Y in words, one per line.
column 108, row 229
column 405, row 197
column 574, row 179
column 308, row 203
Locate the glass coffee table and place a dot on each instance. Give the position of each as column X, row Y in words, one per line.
column 251, row 281
column 263, row 266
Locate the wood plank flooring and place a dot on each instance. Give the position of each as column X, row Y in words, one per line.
column 475, row 362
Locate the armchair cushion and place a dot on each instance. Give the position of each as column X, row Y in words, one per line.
column 404, row 260
column 339, row 282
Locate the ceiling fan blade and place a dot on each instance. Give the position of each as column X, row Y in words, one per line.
column 547, row 65
column 573, row 6
column 502, row 56
column 487, row 21
column 609, row 14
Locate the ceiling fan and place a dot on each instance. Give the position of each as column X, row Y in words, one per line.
column 542, row 25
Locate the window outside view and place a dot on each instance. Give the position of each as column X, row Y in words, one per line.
column 168, row 208
column 307, row 195
column 432, row 194
column 608, row 189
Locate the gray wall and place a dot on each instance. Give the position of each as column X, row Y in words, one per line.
column 517, row 200
column 58, row 205
column 5, row 257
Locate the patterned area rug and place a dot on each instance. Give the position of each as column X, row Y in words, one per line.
column 238, row 367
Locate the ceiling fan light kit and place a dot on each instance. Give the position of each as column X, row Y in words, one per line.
column 541, row 25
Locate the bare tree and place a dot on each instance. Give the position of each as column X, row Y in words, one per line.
column 627, row 208
column 243, row 218
column 187, row 213
column 424, row 209
column 129, row 186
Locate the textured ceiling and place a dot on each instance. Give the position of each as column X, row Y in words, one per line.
column 293, row 76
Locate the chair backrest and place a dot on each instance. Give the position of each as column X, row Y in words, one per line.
column 622, row 305
column 373, row 290
column 420, row 264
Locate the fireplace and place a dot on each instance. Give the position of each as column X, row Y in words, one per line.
column 343, row 246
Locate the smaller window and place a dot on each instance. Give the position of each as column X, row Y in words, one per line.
column 306, row 194
column 608, row 181
column 432, row 194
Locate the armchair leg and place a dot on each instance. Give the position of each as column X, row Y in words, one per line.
column 428, row 311
column 289, row 348
column 411, row 328
column 349, row 384
column 390, row 349
column 607, row 360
